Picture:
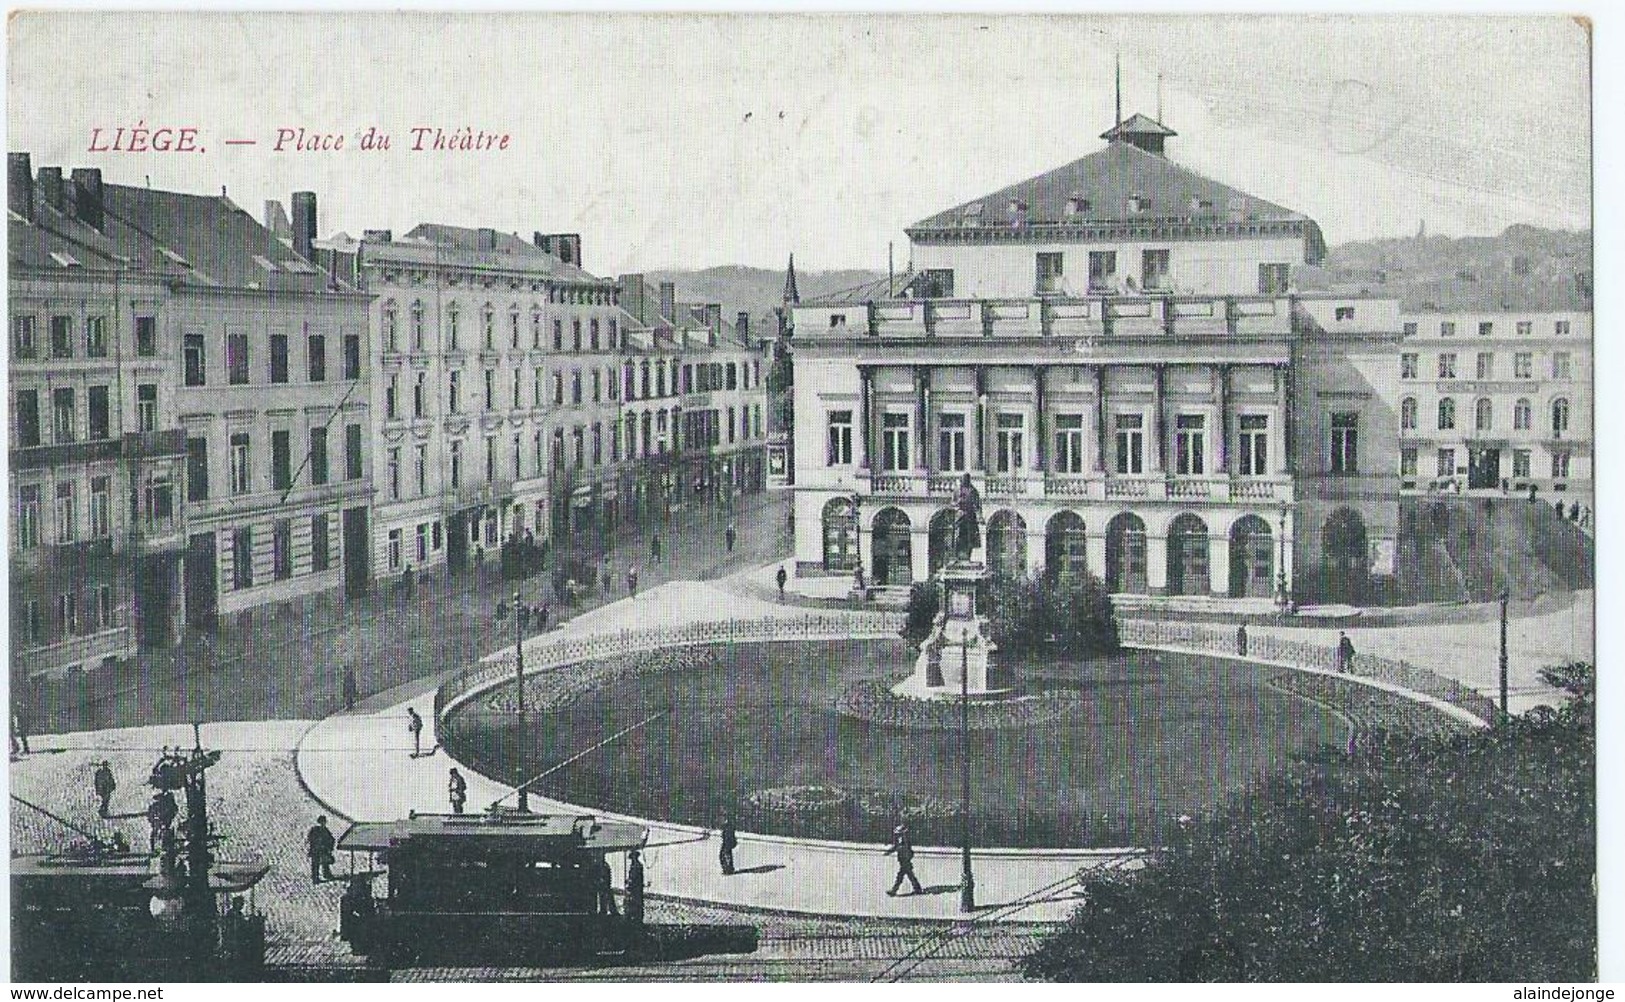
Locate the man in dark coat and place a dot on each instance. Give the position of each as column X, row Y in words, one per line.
column 161, row 815
column 604, row 880
column 414, row 723
column 634, row 888
column 730, row 842
column 319, row 846
column 903, row 848
column 782, row 576
column 457, row 791
column 632, row 582
column 731, row 535
column 104, row 784
column 349, row 688
column 654, row 547
column 1345, row 653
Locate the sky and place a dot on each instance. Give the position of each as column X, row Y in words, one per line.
column 683, row 141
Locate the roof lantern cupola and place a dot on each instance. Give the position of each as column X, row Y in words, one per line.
column 1140, row 132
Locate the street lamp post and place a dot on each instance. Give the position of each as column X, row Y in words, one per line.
column 1505, row 595
column 967, row 885
column 519, row 618
column 857, row 532
column 1281, row 599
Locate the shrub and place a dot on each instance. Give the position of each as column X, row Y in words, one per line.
column 1068, row 616
column 921, row 615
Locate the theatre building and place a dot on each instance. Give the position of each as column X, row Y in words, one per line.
column 1115, row 353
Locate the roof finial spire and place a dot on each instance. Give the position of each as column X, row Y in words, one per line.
column 1119, row 57
column 791, row 293
column 1159, row 97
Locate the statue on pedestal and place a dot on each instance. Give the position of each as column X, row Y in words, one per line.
column 968, row 524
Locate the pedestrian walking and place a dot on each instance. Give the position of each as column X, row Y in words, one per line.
column 457, row 791
column 19, row 728
column 1533, row 490
column 1345, row 653
column 543, row 612
column 408, row 581
column 730, row 842
column 319, row 846
column 903, row 848
column 348, row 687
column 731, row 534
column 104, row 784
column 634, row 888
column 654, row 547
column 414, row 724
column 782, row 576
column 1241, row 640
column 603, row 577
column 632, row 581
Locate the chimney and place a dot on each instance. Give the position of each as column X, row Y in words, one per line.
column 20, row 185
column 304, row 222
column 50, row 182
column 668, row 300
column 87, row 196
column 377, row 236
column 488, row 239
column 742, row 325
column 564, row 246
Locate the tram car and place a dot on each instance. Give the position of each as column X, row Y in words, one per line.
column 500, row 887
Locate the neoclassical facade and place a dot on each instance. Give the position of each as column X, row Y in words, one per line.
column 1114, row 353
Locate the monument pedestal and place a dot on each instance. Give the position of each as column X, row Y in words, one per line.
column 959, row 657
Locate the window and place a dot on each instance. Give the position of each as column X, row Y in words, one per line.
column 1447, row 365
column 1485, row 328
column 282, row 549
column 1154, row 270
column 1447, row 328
column 1485, row 369
column 420, row 469
column 456, row 465
column 1560, row 365
column 451, row 328
column 518, row 455
column 1447, row 414
column 194, row 359
column 838, row 444
column 1410, row 329
column 104, row 607
column 318, row 456
column 575, row 332
column 1130, row 443
column 61, row 337
column 435, row 535
column 197, row 469
column 160, row 498
column 1189, row 442
column 392, row 397
column 535, row 333
column 1407, row 461
column 281, row 461
column 1523, row 365
column 1343, row 313
column 242, row 557
column 28, row 516
column 101, row 507
column 1560, row 416
column 1561, row 328
column 419, row 395
column 1522, row 415
column 28, row 426
column 1525, row 328
column 389, row 325
column 1407, row 414
column 1345, row 443
column 1520, row 462
column 575, row 387
column 95, row 337
column 417, row 326
column 352, row 356
column 1049, row 272
column 96, row 399
column 67, row 509
column 279, row 358
column 597, row 444
column 240, row 469
column 660, row 378
column 1407, row 365
column 146, row 407
column 613, row 384
column 935, row 283
column 319, row 556
column 64, row 419
column 237, row 359
column 730, row 425
column 558, row 448
column 454, row 392
column 951, row 442
column 1560, row 464
column 644, row 369
column 558, row 335
column 593, row 334
column 423, row 542
column 1483, row 414
column 578, row 441
column 894, row 441
column 558, row 388
column 25, row 337
column 394, row 549
column 490, row 389
column 613, row 337
column 1446, row 464
column 1273, row 279
column 67, row 611
column 1253, row 445
column 316, row 347
column 352, row 452
column 733, row 376
column 488, row 327
column 1068, row 456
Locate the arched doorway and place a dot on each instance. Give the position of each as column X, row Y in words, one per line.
column 1252, row 558
column 1344, row 566
column 939, row 547
column 1125, row 555
column 840, row 536
column 1187, row 556
column 892, row 562
column 1006, row 545
column 1065, row 547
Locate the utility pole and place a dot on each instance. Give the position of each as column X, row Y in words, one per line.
column 519, row 662
column 967, row 885
column 1505, row 595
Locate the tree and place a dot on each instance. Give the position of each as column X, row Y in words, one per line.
column 1080, row 617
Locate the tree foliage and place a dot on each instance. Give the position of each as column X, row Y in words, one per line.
column 1470, row 858
column 921, row 614
column 1071, row 616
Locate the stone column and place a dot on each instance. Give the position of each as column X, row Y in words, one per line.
column 865, row 418
column 922, row 412
column 981, row 418
column 1040, row 450
column 1100, row 425
column 1157, row 432
column 1283, row 407
column 1222, row 453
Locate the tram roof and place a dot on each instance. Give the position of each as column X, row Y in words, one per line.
column 510, row 830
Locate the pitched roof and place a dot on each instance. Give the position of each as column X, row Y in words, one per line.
column 1137, row 125
column 1119, row 186
column 468, row 238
